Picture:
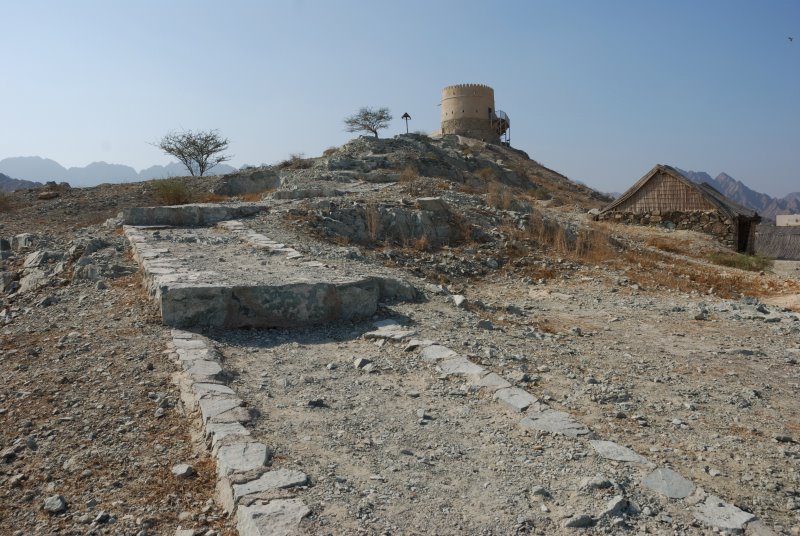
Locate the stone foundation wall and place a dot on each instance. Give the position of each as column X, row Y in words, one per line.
column 471, row 127
column 708, row 221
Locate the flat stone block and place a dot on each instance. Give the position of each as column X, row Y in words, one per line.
column 211, row 407
column 189, row 344
column 217, row 431
column 181, row 334
column 211, row 389
column 554, row 422
column 491, row 382
column 276, row 518
column 613, row 451
column 196, row 353
column 202, row 368
column 390, row 334
column 241, row 457
column 239, row 414
column 722, row 516
column 271, row 480
column 461, row 366
column 668, row 483
column 435, row 352
column 515, row 398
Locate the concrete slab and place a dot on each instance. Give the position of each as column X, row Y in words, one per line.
column 721, row 516
column 554, row 422
column 668, row 483
column 461, row 366
column 514, row 398
column 613, row 451
column 190, row 274
column 490, row 382
column 435, row 352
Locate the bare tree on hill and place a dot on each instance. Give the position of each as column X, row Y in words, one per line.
column 368, row 120
column 198, row 150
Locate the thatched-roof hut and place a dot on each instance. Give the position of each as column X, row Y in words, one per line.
column 665, row 197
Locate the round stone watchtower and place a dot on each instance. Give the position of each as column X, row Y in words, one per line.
column 468, row 110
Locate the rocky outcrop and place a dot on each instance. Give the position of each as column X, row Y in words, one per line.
column 188, row 215
column 431, row 221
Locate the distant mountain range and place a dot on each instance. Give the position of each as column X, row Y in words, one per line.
column 7, row 184
column 766, row 206
column 36, row 168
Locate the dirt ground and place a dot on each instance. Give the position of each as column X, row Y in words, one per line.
column 398, row 449
column 705, row 385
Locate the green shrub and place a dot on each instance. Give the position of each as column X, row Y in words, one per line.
column 172, row 192
column 752, row 263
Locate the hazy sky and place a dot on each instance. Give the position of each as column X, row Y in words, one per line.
column 598, row 90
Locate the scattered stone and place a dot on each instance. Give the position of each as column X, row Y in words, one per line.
column 579, row 522
column 55, row 504
column 459, row 301
column 615, row 507
column 485, row 324
column 539, row 491
column 361, row 362
column 595, row 482
column 183, row 470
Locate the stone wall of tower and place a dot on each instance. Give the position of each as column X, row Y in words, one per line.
column 467, row 110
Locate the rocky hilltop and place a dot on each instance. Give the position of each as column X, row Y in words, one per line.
column 399, row 336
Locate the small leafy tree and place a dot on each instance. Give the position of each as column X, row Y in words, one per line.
column 198, row 150
column 368, row 120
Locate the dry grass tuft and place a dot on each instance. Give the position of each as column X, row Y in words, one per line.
column 296, row 161
column 422, row 244
column 171, row 192
column 408, row 180
column 485, row 174
column 6, row 205
column 671, row 245
column 255, row 196
column 330, row 151
column 499, row 196
column 372, row 216
column 213, row 198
